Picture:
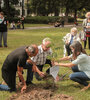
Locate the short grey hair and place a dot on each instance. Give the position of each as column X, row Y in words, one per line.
column 31, row 49
column 74, row 29
column 45, row 40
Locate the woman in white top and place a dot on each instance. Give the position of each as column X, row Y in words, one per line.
column 80, row 64
column 70, row 38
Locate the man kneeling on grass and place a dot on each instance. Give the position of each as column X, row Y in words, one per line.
column 40, row 60
column 15, row 62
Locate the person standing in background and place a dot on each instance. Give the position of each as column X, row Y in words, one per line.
column 3, row 30
column 69, row 39
column 22, row 22
column 86, row 27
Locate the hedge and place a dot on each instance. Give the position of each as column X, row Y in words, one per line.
column 40, row 19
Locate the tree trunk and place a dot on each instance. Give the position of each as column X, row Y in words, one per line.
column 66, row 14
column 0, row 5
column 75, row 15
column 27, row 7
column 6, row 4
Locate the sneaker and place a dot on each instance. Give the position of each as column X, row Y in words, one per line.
column 6, row 46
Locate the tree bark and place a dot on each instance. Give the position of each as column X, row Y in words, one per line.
column 66, row 14
column 0, row 5
column 6, row 4
column 75, row 15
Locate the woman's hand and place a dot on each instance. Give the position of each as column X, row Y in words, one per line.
column 56, row 63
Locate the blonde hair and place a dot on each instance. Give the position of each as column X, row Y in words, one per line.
column 45, row 40
column 74, row 29
column 88, row 13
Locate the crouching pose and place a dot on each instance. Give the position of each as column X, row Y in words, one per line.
column 15, row 62
column 80, row 64
column 40, row 60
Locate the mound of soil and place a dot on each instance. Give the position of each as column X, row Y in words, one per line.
column 39, row 92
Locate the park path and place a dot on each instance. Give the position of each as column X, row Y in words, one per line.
column 46, row 27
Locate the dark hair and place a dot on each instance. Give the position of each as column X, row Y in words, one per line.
column 2, row 13
column 77, row 49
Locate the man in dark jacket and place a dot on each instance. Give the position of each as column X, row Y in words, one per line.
column 15, row 62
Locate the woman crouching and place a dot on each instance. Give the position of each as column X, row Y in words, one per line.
column 80, row 64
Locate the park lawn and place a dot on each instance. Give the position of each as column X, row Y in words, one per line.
column 17, row 38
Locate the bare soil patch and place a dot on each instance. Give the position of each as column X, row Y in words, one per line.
column 40, row 92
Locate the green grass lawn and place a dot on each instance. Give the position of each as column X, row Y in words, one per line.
column 17, row 38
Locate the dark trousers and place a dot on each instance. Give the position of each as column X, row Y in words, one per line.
column 4, row 36
column 29, row 72
column 79, row 76
column 22, row 25
column 40, row 67
column 85, row 42
column 68, row 49
column 10, row 79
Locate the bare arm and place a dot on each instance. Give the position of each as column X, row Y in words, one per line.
column 87, row 26
column 19, row 70
column 65, row 58
column 65, row 64
column 35, row 69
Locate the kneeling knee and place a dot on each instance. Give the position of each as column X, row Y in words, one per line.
column 71, row 76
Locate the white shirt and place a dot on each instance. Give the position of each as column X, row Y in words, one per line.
column 83, row 62
column 68, row 38
column 41, row 57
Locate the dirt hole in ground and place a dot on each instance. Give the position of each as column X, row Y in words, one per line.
column 40, row 92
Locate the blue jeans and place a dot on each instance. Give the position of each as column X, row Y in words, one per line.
column 4, row 87
column 29, row 72
column 79, row 76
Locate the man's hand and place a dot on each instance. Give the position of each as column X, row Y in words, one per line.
column 42, row 74
column 53, row 63
column 23, row 88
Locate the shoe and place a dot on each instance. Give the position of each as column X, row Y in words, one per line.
column 29, row 83
column 12, row 90
column 6, row 46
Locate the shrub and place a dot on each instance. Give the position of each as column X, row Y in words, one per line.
column 15, row 19
column 41, row 19
column 70, row 19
